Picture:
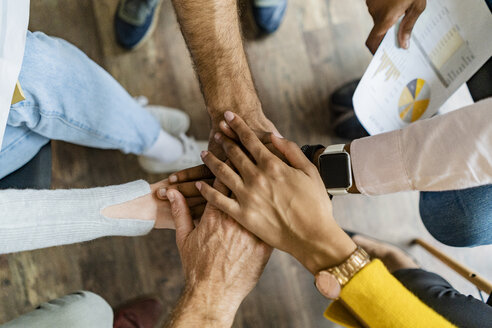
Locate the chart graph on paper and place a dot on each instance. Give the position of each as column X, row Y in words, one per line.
column 440, row 41
column 389, row 67
column 414, row 100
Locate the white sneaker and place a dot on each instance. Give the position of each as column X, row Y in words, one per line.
column 173, row 121
column 191, row 157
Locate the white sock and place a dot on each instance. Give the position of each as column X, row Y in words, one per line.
column 166, row 148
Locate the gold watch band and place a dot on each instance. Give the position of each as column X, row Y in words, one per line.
column 355, row 262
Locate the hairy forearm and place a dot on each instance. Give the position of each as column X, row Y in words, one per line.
column 212, row 32
column 197, row 308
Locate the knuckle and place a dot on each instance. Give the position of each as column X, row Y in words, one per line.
column 214, row 198
column 388, row 21
column 260, row 180
column 176, row 211
column 203, row 170
column 230, row 148
column 312, row 169
column 248, row 138
column 273, row 166
column 292, row 145
column 222, row 169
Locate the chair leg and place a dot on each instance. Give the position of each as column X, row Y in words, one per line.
column 462, row 270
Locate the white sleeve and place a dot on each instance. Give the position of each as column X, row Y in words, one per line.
column 32, row 219
column 452, row 151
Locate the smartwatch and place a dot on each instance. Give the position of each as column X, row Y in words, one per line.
column 335, row 169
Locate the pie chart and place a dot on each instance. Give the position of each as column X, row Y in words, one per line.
column 414, row 100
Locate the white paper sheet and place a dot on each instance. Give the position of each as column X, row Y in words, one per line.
column 450, row 42
column 14, row 17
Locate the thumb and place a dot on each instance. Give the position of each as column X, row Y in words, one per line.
column 291, row 151
column 375, row 38
column 181, row 216
column 407, row 24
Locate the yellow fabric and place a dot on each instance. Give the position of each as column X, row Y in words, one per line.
column 374, row 298
column 18, row 94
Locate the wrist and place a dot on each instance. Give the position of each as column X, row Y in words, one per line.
column 353, row 189
column 333, row 249
column 141, row 208
column 211, row 307
column 250, row 110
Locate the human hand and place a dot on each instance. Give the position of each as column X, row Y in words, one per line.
column 256, row 120
column 285, row 206
column 155, row 207
column 151, row 207
column 386, row 13
column 184, row 180
column 222, row 261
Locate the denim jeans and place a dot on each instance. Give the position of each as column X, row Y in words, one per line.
column 461, row 218
column 70, row 98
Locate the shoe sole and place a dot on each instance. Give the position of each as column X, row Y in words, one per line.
column 152, row 109
column 155, row 167
column 151, row 30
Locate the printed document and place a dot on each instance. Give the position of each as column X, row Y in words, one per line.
column 451, row 40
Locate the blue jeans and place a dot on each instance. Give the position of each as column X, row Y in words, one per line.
column 461, row 218
column 70, row 98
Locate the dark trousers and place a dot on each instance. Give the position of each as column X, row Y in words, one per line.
column 437, row 293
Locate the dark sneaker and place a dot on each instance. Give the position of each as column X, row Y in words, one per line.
column 345, row 124
column 135, row 21
column 141, row 313
column 269, row 14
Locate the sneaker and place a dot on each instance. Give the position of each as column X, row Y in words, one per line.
column 173, row 121
column 135, row 20
column 268, row 14
column 191, row 157
column 346, row 125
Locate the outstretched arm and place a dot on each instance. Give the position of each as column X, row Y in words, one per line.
column 222, row 262
column 33, row 219
column 212, row 32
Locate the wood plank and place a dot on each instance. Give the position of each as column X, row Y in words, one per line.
column 319, row 46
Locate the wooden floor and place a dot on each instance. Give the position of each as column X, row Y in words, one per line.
column 319, row 47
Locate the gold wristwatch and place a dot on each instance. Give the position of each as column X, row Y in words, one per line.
column 330, row 281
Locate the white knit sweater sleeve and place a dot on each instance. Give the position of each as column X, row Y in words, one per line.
column 32, row 219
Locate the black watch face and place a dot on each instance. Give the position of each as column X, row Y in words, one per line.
column 334, row 170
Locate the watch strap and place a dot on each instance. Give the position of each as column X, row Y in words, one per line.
column 353, row 264
column 334, row 149
column 310, row 150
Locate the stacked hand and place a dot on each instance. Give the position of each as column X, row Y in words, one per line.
column 285, row 206
column 256, row 120
column 222, row 262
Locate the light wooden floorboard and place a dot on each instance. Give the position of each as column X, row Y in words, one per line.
column 319, row 47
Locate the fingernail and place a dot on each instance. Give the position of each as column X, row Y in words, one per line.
column 198, row 185
column 173, row 179
column 162, row 192
column 204, row 153
column 229, row 116
column 277, row 134
column 171, row 196
column 406, row 41
column 217, row 136
column 224, row 124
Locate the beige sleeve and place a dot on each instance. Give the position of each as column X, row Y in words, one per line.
column 452, row 151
